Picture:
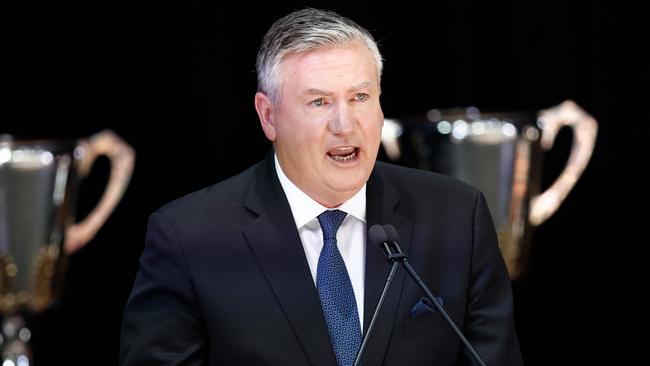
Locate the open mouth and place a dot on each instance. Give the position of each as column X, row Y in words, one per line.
column 343, row 154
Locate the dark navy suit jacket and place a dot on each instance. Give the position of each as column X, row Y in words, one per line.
column 223, row 279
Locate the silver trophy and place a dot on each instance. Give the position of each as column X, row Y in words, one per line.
column 39, row 181
column 499, row 153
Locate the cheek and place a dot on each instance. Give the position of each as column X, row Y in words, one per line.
column 300, row 137
column 372, row 130
column 309, row 132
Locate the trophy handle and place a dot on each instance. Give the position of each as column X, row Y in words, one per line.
column 584, row 128
column 122, row 158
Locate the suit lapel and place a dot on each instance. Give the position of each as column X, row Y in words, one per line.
column 382, row 202
column 276, row 244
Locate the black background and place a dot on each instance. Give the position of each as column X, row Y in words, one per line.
column 176, row 80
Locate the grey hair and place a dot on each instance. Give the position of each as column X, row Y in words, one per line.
column 303, row 31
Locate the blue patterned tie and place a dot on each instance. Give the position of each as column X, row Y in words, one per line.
column 336, row 293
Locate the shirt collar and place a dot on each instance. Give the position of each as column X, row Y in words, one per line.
column 305, row 209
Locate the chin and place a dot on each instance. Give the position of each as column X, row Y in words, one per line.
column 348, row 183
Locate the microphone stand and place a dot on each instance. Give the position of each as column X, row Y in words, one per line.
column 393, row 258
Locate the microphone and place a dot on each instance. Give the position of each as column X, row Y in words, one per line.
column 393, row 239
column 379, row 238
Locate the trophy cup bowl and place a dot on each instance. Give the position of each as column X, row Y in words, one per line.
column 500, row 154
column 39, row 181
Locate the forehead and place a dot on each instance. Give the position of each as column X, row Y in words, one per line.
column 350, row 63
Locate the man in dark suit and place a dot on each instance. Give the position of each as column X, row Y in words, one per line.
column 272, row 266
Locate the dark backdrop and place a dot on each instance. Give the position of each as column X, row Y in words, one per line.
column 176, row 80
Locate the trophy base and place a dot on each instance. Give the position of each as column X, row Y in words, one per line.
column 14, row 342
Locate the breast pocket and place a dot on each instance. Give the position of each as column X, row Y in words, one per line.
column 432, row 321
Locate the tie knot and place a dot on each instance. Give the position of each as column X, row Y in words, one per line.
column 330, row 221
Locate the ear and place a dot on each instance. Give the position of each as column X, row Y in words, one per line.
column 264, row 108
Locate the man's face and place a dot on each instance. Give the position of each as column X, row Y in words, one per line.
column 326, row 124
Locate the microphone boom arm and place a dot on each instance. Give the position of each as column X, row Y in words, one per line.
column 389, row 280
column 398, row 253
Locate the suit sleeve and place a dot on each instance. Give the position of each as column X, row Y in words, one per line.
column 162, row 324
column 489, row 325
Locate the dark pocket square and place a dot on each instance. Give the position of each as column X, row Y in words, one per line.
column 424, row 306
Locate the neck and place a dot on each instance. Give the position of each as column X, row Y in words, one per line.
column 332, row 202
column 324, row 195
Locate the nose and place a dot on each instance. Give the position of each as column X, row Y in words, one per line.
column 343, row 120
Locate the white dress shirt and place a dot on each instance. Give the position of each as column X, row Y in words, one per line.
column 351, row 236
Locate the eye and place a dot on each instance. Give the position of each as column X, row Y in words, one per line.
column 360, row 97
column 318, row 102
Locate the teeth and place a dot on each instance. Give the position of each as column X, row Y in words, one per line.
column 344, row 158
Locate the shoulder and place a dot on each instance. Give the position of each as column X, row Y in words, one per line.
column 213, row 200
column 421, row 181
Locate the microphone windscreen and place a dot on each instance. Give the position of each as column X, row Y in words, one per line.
column 391, row 233
column 377, row 235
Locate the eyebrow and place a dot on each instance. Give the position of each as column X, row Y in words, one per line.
column 316, row 91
